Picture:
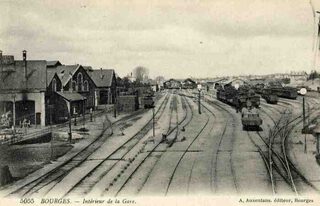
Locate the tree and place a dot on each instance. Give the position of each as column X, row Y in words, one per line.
column 313, row 75
column 126, row 82
column 140, row 73
column 159, row 79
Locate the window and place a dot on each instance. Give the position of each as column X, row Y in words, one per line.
column 74, row 85
column 85, row 86
column 54, row 85
column 80, row 81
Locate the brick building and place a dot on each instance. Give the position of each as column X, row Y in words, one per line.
column 106, row 83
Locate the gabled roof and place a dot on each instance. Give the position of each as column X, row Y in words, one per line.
column 53, row 63
column 87, row 68
column 189, row 80
column 65, row 72
column 102, row 77
column 172, row 80
column 13, row 78
column 50, row 75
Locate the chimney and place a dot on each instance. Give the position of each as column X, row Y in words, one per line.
column 101, row 76
column 24, row 57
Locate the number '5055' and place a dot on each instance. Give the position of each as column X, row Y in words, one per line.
column 26, row 200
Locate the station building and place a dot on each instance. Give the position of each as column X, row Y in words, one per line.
column 172, row 84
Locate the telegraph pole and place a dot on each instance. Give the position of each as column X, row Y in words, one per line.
column 115, row 104
column 153, row 122
column 70, row 132
column 84, row 113
column 199, row 103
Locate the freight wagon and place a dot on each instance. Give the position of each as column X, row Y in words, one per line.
column 250, row 119
column 148, row 101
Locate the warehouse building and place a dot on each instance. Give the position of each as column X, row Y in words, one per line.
column 22, row 89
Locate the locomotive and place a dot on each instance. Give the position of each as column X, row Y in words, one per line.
column 237, row 98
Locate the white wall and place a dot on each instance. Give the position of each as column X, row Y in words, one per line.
column 37, row 97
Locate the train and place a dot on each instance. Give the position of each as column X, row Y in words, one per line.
column 269, row 96
column 250, row 119
column 285, row 92
column 281, row 91
column 237, row 97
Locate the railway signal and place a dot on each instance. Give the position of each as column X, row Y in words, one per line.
column 303, row 91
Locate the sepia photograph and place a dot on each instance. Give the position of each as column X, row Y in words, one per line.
column 150, row 102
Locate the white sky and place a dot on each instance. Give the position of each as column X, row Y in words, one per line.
column 180, row 39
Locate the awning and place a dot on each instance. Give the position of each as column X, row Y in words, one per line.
column 71, row 96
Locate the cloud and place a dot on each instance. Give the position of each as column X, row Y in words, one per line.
column 184, row 38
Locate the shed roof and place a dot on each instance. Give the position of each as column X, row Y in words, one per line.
column 102, row 77
column 13, row 75
column 71, row 96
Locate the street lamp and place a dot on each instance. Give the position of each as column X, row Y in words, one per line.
column 84, row 113
column 199, row 89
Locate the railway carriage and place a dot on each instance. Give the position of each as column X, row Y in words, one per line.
column 269, row 96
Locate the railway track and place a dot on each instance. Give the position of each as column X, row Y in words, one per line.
column 172, row 131
column 57, row 174
column 123, row 158
column 186, row 107
column 214, row 187
column 187, row 149
column 277, row 158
